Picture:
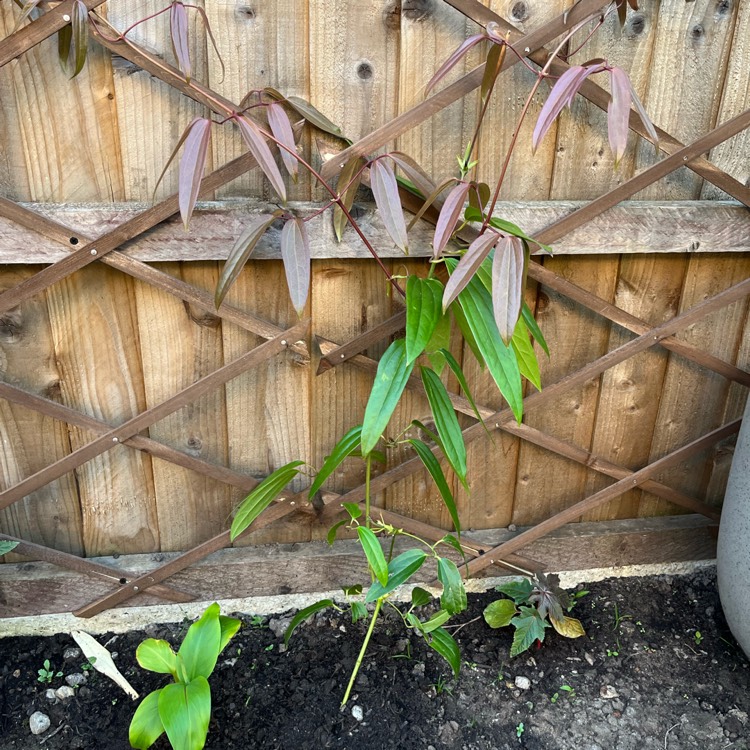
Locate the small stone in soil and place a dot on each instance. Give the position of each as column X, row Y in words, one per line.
column 523, row 683
column 76, row 679
column 608, row 692
column 38, row 722
column 49, row 694
column 64, row 692
column 358, row 713
column 71, row 653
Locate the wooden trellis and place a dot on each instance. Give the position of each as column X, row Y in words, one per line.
column 111, row 249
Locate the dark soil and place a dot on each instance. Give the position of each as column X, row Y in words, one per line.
column 658, row 669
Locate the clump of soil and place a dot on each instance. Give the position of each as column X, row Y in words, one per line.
column 657, row 670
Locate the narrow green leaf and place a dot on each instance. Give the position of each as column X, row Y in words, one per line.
column 145, row 726
column 374, row 553
column 534, row 328
column 331, row 536
column 359, row 611
column 201, row 647
column 390, row 381
column 423, row 312
column 519, row 591
column 345, row 447
column 463, row 325
column 305, row 614
column 80, row 42
column 451, row 437
column 453, row 599
column 262, row 496
column 420, row 597
column 311, row 114
column 355, row 590
column 157, row 656
column 400, row 569
column 6, row 547
column 185, row 710
column 439, row 618
column 524, row 349
column 439, row 343
column 443, row 642
column 64, row 41
column 354, row 510
column 529, row 628
column 455, row 543
column 498, row 614
column 510, row 228
column 459, row 373
column 433, row 467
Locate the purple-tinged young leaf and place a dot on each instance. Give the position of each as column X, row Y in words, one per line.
column 448, row 218
column 618, row 113
column 282, row 132
column 192, row 165
column 645, row 119
column 349, row 181
column 258, row 147
column 207, row 26
column 468, row 265
column 507, row 285
column 26, row 9
column 295, row 252
column 413, row 172
column 385, row 190
column 178, row 31
column 432, row 198
column 311, row 114
column 451, row 62
column 495, row 60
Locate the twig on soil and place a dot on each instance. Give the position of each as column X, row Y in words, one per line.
column 667, row 732
column 59, row 727
column 462, row 625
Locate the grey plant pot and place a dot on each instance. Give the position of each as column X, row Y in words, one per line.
column 733, row 553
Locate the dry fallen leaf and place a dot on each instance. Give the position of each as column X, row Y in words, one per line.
column 101, row 660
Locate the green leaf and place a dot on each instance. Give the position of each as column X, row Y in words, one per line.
column 499, row 613
column 229, row 627
column 510, row 228
column 374, row 553
column 459, row 373
column 534, row 328
column 443, row 642
column 305, row 614
column 331, row 536
column 308, row 111
column 185, row 710
column 345, row 447
column 453, row 542
column 6, row 547
column 451, row 438
column 355, row 590
column 400, row 569
column 524, row 349
column 157, row 656
column 353, row 509
column 390, row 381
column 453, row 599
column 466, row 332
column 439, row 618
column 420, row 597
column 529, row 628
column 423, row 311
column 262, row 496
column 145, row 726
column 439, row 343
column 433, row 467
column 201, row 647
column 359, row 611
column 519, row 591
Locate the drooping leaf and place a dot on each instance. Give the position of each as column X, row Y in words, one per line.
column 7, row 546
column 433, row 467
column 499, row 613
column 145, row 726
column 507, row 285
column 385, row 191
column 262, row 496
column 534, row 328
column 525, row 354
column 449, row 215
column 229, row 627
column 439, row 618
column 508, row 227
column 185, row 711
column 157, row 656
column 282, row 132
column 413, row 172
column 467, row 333
column 468, row 265
column 451, row 540
column 492, row 68
column 451, row 62
column 529, row 628
column 345, row 447
column 79, row 39
column 305, row 614
column 201, row 646
column 355, row 590
column 207, row 26
column 258, row 147
column 374, row 553
column 331, row 535
column 452, row 440
column 439, row 343
column 64, row 43
column 453, row 599
column 422, row 313
column 349, row 181
column 519, row 591
column 400, row 569
column 645, row 119
column 239, row 255
column 568, row 627
column 26, row 10
column 313, row 115
column 354, row 510
column 178, row 32
column 429, row 200
column 459, row 373
column 295, row 252
column 420, row 597
column 192, row 165
column 359, row 611
column 618, row 113
column 390, row 380
column 444, row 643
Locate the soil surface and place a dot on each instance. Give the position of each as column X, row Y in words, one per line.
column 658, row 670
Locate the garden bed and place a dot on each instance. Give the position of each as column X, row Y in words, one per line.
column 657, row 669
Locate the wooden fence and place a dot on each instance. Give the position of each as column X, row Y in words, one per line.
column 134, row 415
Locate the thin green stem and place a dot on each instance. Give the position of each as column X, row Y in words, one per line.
column 368, row 470
column 362, row 651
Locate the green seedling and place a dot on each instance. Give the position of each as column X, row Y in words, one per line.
column 575, row 597
column 257, row 621
column 520, row 729
column 441, row 686
column 698, row 637
column 88, row 665
column 611, row 652
column 47, row 674
column 182, row 709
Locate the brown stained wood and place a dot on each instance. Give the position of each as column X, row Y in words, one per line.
column 179, row 345
column 692, row 46
column 732, row 155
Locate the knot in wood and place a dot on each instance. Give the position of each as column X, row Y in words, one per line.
column 365, row 71
column 637, row 24
column 416, row 10
column 520, row 11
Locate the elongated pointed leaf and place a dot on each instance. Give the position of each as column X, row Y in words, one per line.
column 525, row 354
column 349, row 182
column 26, row 10
column 192, row 165
column 420, row 597
column 178, row 32
column 313, row 115
column 495, row 60
column 562, row 94
column 453, row 60
column 422, row 313
column 451, row 438
column 507, row 285
column 433, row 467
column 64, row 43
column 305, row 614
column 390, row 380
column 449, row 216
column 508, row 227
column 345, row 447
column 459, row 373
column 618, row 113
column 431, row 198
column 645, row 119
column 207, row 26
column 282, row 132
column 413, row 172
column 157, row 656
column 468, row 265
column 498, row 614
column 439, row 342
column 239, row 255
column 185, row 710
column 400, row 569
column 467, row 333
column 439, row 618
column 444, row 643
column 229, row 627
column 258, row 147
column 374, row 554
column 453, row 599
column 385, row 191
column 331, row 535
column 202, row 644
column 262, row 496
column 295, row 252
column 6, row 547
column 146, row 726
column 534, row 328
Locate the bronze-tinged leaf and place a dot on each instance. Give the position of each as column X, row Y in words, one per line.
column 64, row 42
column 313, row 115
column 207, row 26
column 413, row 172
column 507, row 285
column 178, row 31
column 453, row 60
column 645, row 119
column 622, row 12
column 432, row 198
column 282, row 132
column 468, row 265
column 80, row 25
column 295, row 252
column 26, row 10
column 385, row 190
column 568, row 627
column 239, row 255
column 495, row 60
column 192, row 165
column 256, row 143
column 479, row 195
column 618, row 113
column 448, row 218
column 349, row 182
